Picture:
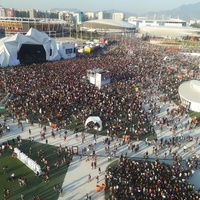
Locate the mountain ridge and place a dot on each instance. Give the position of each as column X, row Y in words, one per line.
column 185, row 12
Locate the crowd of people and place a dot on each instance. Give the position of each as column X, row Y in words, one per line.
column 57, row 92
column 141, row 82
column 140, row 179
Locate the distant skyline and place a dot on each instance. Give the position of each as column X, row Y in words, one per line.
column 133, row 6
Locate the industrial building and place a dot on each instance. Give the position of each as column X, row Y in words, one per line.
column 146, row 21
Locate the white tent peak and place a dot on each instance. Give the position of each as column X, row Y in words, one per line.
column 37, row 35
column 17, row 37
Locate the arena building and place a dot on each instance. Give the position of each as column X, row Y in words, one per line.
column 146, row 21
column 189, row 93
column 13, row 25
column 108, row 25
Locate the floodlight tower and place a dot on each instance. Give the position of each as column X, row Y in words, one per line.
column 161, row 68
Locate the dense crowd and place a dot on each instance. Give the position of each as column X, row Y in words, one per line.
column 132, row 179
column 58, row 93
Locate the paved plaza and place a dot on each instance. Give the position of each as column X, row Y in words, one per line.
column 75, row 184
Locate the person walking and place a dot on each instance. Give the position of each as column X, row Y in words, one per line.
column 22, row 196
column 89, row 178
column 92, row 164
column 61, row 191
column 97, row 178
column 99, row 170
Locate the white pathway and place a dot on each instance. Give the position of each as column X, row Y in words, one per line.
column 75, row 184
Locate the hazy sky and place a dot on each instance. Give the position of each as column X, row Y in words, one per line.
column 135, row 6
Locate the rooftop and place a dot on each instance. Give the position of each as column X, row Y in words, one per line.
column 98, row 70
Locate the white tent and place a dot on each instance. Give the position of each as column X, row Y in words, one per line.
column 10, row 46
column 94, row 119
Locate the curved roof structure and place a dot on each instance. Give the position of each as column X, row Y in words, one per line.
column 108, row 23
column 190, row 91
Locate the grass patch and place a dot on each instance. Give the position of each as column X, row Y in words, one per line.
column 113, row 164
column 193, row 114
column 3, row 112
column 35, row 185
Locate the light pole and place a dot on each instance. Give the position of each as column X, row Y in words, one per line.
column 159, row 77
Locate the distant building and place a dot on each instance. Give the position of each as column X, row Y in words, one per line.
column 61, row 15
column 9, row 12
column 32, row 13
column 104, row 15
column 131, row 19
column 68, row 18
column 40, row 14
column 2, row 33
column 21, row 13
column 194, row 21
column 90, row 15
column 118, row 16
column 78, row 17
column 145, row 21
column 52, row 14
column 2, row 12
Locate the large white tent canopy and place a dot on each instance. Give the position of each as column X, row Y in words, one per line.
column 10, row 46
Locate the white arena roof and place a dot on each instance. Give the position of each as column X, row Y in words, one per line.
column 111, row 22
column 190, row 91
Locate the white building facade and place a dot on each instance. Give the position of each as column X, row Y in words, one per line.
column 2, row 12
column 90, row 15
column 104, row 15
column 118, row 16
column 169, row 22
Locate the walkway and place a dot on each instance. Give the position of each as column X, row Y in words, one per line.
column 75, row 184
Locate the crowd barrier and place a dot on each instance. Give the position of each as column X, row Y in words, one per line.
column 28, row 161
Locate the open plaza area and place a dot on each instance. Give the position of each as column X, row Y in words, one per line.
column 76, row 183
